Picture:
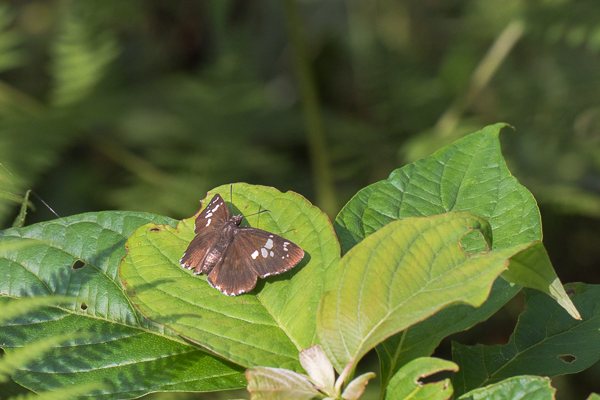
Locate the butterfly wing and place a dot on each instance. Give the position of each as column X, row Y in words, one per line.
column 213, row 217
column 208, row 225
column 268, row 253
column 232, row 275
column 253, row 253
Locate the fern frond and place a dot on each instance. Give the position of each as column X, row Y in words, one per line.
column 10, row 55
column 19, row 358
column 80, row 59
column 23, row 306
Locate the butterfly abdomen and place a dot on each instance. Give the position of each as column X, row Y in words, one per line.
column 216, row 252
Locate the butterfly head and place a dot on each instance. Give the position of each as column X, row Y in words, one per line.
column 237, row 219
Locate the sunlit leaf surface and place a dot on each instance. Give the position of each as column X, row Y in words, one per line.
column 78, row 257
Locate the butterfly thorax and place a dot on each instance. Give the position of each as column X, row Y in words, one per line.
column 236, row 219
column 226, row 235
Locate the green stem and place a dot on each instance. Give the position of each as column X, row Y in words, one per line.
column 482, row 76
column 135, row 164
column 321, row 170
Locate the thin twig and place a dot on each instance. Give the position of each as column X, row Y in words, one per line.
column 321, row 169
column 481, row 77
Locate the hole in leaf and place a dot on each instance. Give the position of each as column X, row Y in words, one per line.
column 84, row 306
column 155, row 229
column 435, row 377
column 78, row 264
column 568, row 358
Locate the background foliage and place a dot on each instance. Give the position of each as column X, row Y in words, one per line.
column 139, row 105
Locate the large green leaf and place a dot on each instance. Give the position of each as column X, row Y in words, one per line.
column 515, row 388
column 402, row 274
column 267, row 327
column 407, row 382
column 546, row 341
column 78, row 256
column 468, row 175
column 9, row 363
column 422, row 339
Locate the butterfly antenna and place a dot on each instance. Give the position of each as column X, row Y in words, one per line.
column 260, row 212
column 231, row 194
column 258, row 216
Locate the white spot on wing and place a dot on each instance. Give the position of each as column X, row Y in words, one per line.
column 269, row 244
column 254, row 255
column 264, row 252
column 271, row 253
column 210, row 214
column 208, row 223
column 216, row 208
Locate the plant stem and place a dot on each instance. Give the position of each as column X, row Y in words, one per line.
column 482, row 76
column 135, row 164
column 319, row 157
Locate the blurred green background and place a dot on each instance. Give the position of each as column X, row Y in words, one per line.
column 146, row 105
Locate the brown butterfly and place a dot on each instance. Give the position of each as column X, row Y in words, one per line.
column 234, row 257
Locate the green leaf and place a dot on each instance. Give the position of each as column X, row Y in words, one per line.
column 27, row 305
column 422, row 339
column 402, row 274
column 533, row 269
column 266, row 383
column 546, row 341
column 21, row 357
column 75, row 256
column 12, row 389
column 78, row 257
column 11, row 362
column 468, row 175
column 593, row 396
column 267, row 327
column 64, row 393
column 407, row 383
column 515, row 388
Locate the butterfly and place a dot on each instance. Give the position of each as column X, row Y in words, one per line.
column 235, row 257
